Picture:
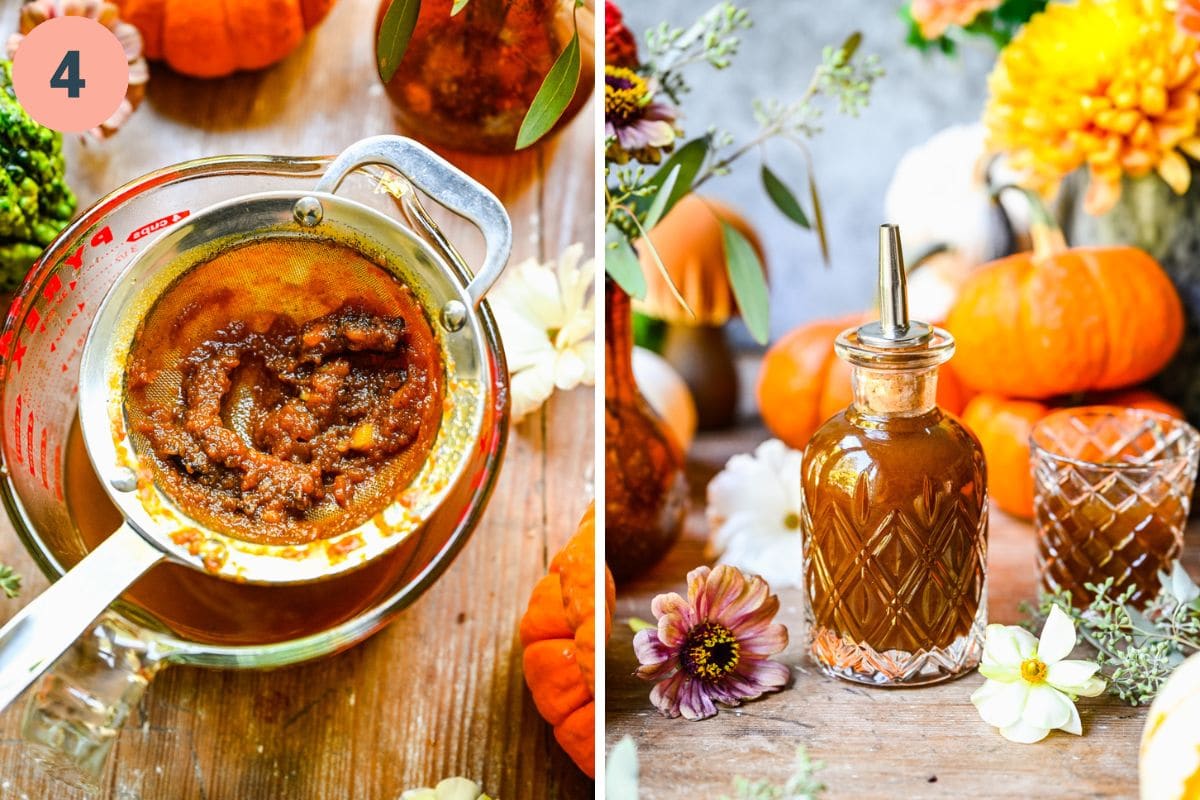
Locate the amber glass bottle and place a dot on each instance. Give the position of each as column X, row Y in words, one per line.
column 895, row 510
column 467, row 79
column 645, row 489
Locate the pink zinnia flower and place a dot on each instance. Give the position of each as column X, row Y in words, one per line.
column 635, row 124
column 712, row 647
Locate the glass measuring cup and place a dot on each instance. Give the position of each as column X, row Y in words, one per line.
column 77, row 708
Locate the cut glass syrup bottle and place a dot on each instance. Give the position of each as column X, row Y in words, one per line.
column 894, row 516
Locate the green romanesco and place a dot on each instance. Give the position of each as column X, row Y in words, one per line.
column 35, row 201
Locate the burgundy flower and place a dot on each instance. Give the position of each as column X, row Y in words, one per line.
column 714, row 646
column 620, row 48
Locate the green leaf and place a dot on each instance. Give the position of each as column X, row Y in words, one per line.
column 553, row 97
column 394, row 33
column 783, row 198
column 459, row 5
column 621, row 263
column 689, row 159
column 637, row 625
column 818, row 217
column 660, row 198
column 749, row 285
column 10, row 581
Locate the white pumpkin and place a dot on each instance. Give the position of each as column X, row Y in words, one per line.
column 1169, row 762
column 667, row 394
column 939, row 197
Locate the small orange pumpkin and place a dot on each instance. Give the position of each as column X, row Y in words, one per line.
column 1058, row 320
column 558, row 632
column 802, row 382
column 210, row 39
column 1003, row 426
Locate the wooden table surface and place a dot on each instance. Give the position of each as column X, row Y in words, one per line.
column 874, row 743
column 440, row 692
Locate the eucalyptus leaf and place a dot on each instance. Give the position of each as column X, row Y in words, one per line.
column 783, row 198
column 394, row 34
column 660, row 198
column 621, row 771
column 818, row 217
column 459, row 5
column 749, row 285
column 621, row 263
column 689, row 159
column 553, row 97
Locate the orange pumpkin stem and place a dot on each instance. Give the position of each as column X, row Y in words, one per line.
column 1048, row 239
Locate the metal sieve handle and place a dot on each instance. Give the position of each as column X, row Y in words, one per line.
column 43, row 630
column 446, row 184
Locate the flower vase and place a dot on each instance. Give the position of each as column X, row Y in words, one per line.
column 644, row 482
column 466, row 81
column 1149, row 215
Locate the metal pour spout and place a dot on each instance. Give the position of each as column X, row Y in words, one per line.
column 893, row 328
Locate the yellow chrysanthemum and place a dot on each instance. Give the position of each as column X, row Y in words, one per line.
column 1111, row 84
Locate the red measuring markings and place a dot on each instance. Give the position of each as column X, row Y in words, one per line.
column 29, row 445
column 17, row 431
column 157, row 225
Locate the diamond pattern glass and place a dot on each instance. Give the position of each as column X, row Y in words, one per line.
column 1112, row 490
column 895, row 550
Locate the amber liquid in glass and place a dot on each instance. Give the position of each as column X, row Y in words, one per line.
column 203, row 608
column 1089, row 542
column 895, row 521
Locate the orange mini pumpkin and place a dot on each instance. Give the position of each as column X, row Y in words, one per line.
column 558, row 633
column 1003, row 426
column 1059, row 320
column 211, row 39
column 802, row 382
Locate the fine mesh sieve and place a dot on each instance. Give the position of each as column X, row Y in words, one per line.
column 262, row 257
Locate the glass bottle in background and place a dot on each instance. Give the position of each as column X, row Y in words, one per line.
column 894, row 516
column 645, row 489
column 466, row 81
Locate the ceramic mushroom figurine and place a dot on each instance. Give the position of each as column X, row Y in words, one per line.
column 690, row 244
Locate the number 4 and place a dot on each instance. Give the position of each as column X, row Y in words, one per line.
column 67, row 75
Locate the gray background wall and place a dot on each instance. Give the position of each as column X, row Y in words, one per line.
column 854, row 158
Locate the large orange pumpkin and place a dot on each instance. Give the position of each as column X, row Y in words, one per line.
column 1058, row 320
column 802, row 382
column 207, row 39
column 1003, row 426
column 558, row 633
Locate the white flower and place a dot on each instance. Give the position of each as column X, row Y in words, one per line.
column 449, row 789
column 1031, row 686
column 754, row 513
column 1180, row 585
column 546, row 314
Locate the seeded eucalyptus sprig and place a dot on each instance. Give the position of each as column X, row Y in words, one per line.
column 635, row 199
column 1136, row 650
column 802, row 784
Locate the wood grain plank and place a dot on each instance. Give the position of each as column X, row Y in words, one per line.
column 875, row 743
column 440, row 691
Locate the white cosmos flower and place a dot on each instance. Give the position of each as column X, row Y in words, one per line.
column 546, row 314
column 754, row 513
column 448, row 789
column 1031, row 686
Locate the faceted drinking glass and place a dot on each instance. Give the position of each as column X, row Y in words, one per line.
column 1112, row 490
